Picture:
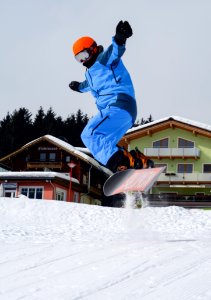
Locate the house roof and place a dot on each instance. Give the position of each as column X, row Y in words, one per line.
column 164, row 123
column 84, row 150
column 36, row 175
column 65, row 146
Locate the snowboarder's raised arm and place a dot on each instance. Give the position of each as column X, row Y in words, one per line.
column 117, row 48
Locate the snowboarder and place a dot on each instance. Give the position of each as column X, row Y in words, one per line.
column 111, row 85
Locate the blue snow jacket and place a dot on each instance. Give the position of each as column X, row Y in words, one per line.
column 109, row 81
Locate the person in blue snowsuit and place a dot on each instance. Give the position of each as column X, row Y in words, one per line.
column 109, row 82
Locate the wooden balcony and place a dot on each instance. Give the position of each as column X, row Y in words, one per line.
column 43, row 164
column 185, row 178
column 172, row 152
column 187, row 201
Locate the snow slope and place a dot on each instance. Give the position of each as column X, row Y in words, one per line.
column 60, row 251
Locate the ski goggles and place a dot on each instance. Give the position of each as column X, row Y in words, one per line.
column 82, row 56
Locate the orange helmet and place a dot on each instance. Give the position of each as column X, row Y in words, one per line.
column 84, row 49
column 83, row 43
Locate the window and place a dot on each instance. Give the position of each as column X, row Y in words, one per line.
column 52, row 156
column 24, row 191
column 161, row 143
column 76, row 197
column 67, row 158
column 60, row 194
column 9, row 194
column 32, row 192
column 207, row 168
column 182, row 143
column 185, row 168
column 39, row 192
column 8, row 189
column 42, row 156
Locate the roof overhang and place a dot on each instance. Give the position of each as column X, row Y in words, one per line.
column 62, row 145
column 35, row 175
column 172, row 122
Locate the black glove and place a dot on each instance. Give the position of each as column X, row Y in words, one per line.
column 123, row 32
column 74, row 85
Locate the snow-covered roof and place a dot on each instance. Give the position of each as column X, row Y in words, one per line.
column 84, row 150
column 69, row 148
column 175, row 118
column 36, row 175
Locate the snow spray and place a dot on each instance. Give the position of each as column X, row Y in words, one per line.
column 135, row 200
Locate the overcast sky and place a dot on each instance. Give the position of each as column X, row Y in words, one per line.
column 168, row 56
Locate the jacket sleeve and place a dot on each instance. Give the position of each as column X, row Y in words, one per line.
column 84, row 87
column 113, row 53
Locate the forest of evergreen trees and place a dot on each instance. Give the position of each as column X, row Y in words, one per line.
column 19, row 128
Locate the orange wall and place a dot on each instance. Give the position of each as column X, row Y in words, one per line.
column 49, row 188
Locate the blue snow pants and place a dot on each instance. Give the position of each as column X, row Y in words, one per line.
column 104, row 131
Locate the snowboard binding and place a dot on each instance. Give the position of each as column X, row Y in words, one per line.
column 141, row 161
column 123, row 160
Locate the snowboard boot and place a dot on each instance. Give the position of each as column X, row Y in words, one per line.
column 120, row 160
column 141, row 160
column 128, row 162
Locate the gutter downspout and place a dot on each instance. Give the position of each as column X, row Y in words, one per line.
column 89, row 180
column 54, row 189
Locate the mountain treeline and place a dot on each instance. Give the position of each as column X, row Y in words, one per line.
column 19, row 128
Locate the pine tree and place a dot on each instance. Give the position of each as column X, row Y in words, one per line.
column 21, row 125
column 81, row 121
column 74, row 126
column 69, row 129
column 143, row 121
column 50, row 121
column 38, row 124
column 5, row 135
column 18, row 128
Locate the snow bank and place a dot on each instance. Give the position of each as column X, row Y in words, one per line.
column 37, row 220
column 66, row 251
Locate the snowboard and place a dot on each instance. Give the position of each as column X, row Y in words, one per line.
column 131, row 180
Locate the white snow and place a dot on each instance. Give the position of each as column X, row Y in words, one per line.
column 36, row 175
column 65, row 251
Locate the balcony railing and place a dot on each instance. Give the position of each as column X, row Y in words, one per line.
column 187, row 201
column 172, row 152
column 197, row 178
column 44, row 164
